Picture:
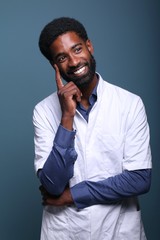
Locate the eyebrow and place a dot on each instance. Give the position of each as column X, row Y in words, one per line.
column 63, row 53
column 76, row 45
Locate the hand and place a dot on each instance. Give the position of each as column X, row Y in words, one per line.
column 69, row 95
column 62, row 200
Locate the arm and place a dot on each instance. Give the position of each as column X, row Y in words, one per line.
column 113, row 189
column 108, row 191
column 58, row 168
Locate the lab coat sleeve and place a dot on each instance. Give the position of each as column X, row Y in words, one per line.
column 54, row 151
column 137, row 153
column 58, row 169
column 113, row 189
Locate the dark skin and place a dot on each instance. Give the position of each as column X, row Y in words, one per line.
column 69, row 51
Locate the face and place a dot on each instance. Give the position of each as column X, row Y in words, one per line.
column 74, row 58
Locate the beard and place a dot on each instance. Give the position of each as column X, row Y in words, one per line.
column 81, row 81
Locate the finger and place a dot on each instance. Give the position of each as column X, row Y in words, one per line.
column 72, row 90
column 48, row 201
column 71, row 94
column 78, row 96
column 58, row 78
column 42, row 190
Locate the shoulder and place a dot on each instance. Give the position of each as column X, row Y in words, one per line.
column 49, row 101
column 119, row 99
column 116, row 93
column 47, row 108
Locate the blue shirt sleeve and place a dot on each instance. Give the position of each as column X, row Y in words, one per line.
column 58, row 168
column 113, row 189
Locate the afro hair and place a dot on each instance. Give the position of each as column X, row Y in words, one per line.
column 56, row 28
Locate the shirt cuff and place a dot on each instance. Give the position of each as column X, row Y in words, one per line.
column 64, row 137
column 81, row 195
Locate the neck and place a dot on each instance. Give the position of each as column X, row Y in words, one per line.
column 88, row 89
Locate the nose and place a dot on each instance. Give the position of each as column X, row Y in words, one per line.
column 73, row 61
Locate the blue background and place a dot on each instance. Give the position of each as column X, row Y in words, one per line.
column 126, row 38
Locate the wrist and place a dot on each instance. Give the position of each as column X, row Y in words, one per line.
column 67, row 122
column 68, row 197
column 64, row 137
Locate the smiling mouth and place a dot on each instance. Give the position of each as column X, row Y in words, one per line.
column 79, row 71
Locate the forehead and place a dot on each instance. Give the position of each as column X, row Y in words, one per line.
column 65, row 42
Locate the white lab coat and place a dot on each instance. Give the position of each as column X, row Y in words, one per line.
column 116, row 138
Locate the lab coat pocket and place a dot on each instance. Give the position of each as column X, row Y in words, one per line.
column 111, row 149
column 130, row 226
column 54, row 224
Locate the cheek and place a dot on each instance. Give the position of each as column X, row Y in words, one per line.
column 62, row 67
column 62, row 71
column 88, row 55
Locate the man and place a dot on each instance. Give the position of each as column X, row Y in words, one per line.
column 92, row 152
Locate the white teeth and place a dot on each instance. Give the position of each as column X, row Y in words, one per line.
column 79, row 70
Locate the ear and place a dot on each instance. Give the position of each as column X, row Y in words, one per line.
column 89, row 46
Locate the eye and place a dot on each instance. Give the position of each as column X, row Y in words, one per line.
column 78, row 49
column 61, row 59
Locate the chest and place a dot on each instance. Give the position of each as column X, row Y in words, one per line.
column 100, row 143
